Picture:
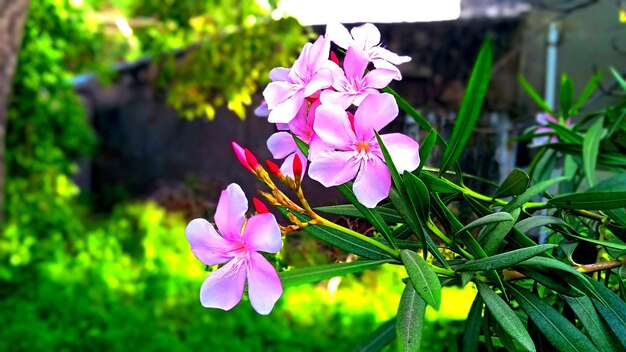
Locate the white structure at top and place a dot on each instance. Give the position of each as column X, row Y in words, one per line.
column 319, row 12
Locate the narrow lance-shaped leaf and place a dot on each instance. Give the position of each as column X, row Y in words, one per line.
column 505, row 316
column 590, row 201
column 532, row 192
column 470, row 106
column 567, row 93
column 597, row 330
column 492, row 236
column 379, row 338
column 506, row 259
column 418, row 194
column 388, row 215
column 586, row 93
column 410, row 319
column 341, row 240
column 532, row 93
column 424, row 279
column 537, row 221
column 514, row 184
column 486, row 220
column 472, row 326
column 426, row 147
column 591, row 147
column 323, row 272
column 371, row 215
column 613, row 312
column 560, row 332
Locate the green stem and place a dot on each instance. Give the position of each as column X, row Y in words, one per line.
column 395, row 253
column 451, row 245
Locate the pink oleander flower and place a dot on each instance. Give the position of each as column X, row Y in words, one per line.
column 367, row 39
column 356, row 151
column 282, row 145
column 350, row 85
column 310, row 73
column 543, row 119
column 237, row 243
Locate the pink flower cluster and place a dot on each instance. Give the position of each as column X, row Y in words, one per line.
column 315, row 99
column 544, row 120
column 334, row 108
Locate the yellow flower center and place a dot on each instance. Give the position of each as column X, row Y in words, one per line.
column 363, row 147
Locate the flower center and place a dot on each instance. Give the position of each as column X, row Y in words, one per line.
column 363, row 147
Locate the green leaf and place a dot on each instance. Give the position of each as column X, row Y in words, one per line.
column 548, row 279
column 395, row 176
column 486, row 220
column 410, row 319
column 608, row 158
column 304, row 148
column 402, row 232
column 493, row 235
column 616, row 183
column 505, row 316
column 560, row 332
column 565, row 134
column 590, row 200
column 341, row 240
column 563, row 271
column 417, row 193
column 470, row 106
column 591, row 147
column 613, row 312
column 472, row 326
column 597, row 330
column 323, row 272
column 424, row 279
column 586, row 93
column 477, row 207
column 618, row 78
column 379, row 338
column 426, row 147
column 607, row 244
column 539, row 188
column 537, row 221
column 388, row 215
column 532, row 93
column 370, row 214
column 505, row 260
column 439, row 185
column 514, row 184
column 566, row 94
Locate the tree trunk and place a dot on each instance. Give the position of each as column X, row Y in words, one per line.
column 12, row 17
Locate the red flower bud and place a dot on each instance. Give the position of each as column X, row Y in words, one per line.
column 297, row 167
column 273, row 168
column 241, row 155
column 259, row 206
column 251, row 159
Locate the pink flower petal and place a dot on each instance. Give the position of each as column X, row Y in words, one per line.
column 333, row 168
column 339, row 35
column 262, row 234
column 287, row 110
column 379, row 78
column 231, row 211
column 281, row 144
column 264, row 286
column 372, row 183
column 319, row 53
column 207, row 244
column 382, row 64
column 339, row 98
column 354, row 64
column 317, row 146
column 322, row 79
column 404, row 151
column 223, row 288
column 386, row 55
column 366, row 36
column 374, row 113
column 277, row 92
column 333, row 128
column 279, row 74
column 358, row 99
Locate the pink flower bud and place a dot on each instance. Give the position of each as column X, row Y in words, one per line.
column 251, row 159
column 241, row 155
